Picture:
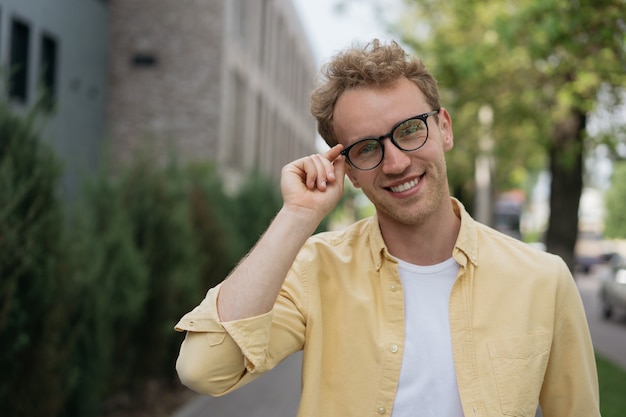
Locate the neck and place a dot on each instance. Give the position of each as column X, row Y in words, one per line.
column 426, row 243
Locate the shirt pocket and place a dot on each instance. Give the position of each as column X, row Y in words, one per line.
column 519, row 364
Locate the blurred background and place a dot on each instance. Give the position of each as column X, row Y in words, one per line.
column 141, row 144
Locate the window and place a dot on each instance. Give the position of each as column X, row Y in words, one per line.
column 144, row 60
column 48, row 68
column 18, row 67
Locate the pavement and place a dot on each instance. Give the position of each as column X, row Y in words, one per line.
column 277, row 394
column 608, row 336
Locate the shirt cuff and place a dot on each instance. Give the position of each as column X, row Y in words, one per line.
column 251, row 334
column 204, row 317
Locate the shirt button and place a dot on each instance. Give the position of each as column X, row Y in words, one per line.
column 393, row 288
column 381, row 410
column 191, row 323
column 394, row 349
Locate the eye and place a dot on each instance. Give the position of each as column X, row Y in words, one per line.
column 410, row 128
column 366, row 148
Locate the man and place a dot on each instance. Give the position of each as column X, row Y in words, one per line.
column 417, row 311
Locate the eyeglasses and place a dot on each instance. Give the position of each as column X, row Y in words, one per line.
column 408, row 135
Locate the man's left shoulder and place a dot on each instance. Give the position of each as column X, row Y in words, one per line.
column 494, row 243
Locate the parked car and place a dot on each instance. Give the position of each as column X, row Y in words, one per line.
column 613, row 286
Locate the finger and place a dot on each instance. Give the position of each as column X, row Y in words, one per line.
column 318, row 176
column 308, row 170
column 333, row 155
column 334, row 152
column 319, row 169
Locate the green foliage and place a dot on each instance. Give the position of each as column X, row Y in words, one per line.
column 257, row 203
column 158, row 209
column 139, row 257
column 214, row 222
column 35, row 287
column 114, row 286
column 615, row 221
column 89, row 296
column 163, row 236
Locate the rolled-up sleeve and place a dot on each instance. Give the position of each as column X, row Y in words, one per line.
column 216, row 358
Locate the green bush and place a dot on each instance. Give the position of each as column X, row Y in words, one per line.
column 89, row 295
column 256, row 204
column 218, row 238
column 158, row 208
column 140, row 258
column 150, row 242
column 36, row 292
column 113, row 276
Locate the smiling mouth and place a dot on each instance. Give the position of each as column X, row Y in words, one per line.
column 406, row 186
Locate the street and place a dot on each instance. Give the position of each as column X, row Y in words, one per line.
column 609, row 336
column 277, row 393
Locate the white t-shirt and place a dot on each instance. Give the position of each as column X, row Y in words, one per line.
column 427, row 386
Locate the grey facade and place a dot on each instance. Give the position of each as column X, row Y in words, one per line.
column 225, row 81
column 62, row 44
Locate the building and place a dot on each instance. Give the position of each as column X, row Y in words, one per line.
column 61, row 47
column 225, row 81
column 220, row 80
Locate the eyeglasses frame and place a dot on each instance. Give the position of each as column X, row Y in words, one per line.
column 423, row 117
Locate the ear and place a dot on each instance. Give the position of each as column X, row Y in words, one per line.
column 350, row 174
column 445, row 127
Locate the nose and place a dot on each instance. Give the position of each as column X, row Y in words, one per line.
column 395, row 160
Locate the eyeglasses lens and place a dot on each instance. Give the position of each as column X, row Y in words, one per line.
column 366, row 154
column 408, row 136
column 411, row 134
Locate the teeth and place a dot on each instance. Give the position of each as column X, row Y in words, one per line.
column 403, row 187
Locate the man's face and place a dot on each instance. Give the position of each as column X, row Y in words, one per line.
column 407, row 187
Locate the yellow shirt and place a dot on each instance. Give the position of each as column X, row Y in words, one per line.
column 518, row 329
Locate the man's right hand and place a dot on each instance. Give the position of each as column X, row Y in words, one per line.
column 314, row 183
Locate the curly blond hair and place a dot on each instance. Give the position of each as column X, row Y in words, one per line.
column 375, row 65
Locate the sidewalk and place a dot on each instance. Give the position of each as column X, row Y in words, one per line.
column 609, row 336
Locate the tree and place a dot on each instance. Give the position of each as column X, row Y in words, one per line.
column 539, row 64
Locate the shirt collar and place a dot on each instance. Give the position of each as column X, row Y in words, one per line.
column 465, row 249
